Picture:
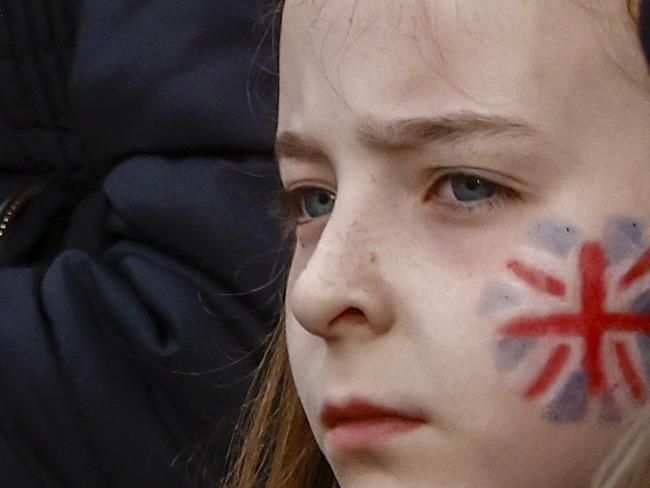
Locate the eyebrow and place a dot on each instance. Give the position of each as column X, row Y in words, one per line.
column 403, row 135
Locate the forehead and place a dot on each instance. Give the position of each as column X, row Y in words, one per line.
column 374, row 57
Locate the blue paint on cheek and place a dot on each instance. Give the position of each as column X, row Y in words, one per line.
column 643, row 340
column 556, row 237
column 609, row 409
column 571, row 404
column 623, row 239
column 497, row 297
column 510, row 351
column 642, row 306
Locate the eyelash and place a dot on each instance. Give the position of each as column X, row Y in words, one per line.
column 287, row 205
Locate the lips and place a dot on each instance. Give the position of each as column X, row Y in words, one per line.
column 358, row 424
column 358, row 409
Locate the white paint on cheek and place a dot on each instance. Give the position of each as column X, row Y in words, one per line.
column 572, row 373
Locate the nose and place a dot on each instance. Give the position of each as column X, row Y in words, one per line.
column 343, row 287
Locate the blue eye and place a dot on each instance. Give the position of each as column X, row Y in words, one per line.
column 470, row 192
column 471, row 188
column 316, row 202
column 302, row 205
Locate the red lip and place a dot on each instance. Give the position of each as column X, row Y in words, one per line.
column 358, row 409
column 358, row 424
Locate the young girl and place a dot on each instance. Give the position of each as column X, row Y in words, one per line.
column 469, row 299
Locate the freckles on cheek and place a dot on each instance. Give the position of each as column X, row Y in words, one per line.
column 587, row 350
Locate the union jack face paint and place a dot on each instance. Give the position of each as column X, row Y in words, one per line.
column 574, row 318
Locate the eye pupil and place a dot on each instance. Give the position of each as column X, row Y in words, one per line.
column 469, row 188
column 473, row 183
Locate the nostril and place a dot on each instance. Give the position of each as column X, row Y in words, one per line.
column 351, row 314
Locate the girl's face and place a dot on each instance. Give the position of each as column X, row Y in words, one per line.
column 483, row 274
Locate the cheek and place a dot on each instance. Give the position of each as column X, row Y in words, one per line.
column 298, row 262
column 302, row 350
column 297, row 346
column 573, row 319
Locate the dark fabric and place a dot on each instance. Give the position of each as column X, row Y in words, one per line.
column 138, row 281
column 36, row 46
column 645, row 27
column 182, row 74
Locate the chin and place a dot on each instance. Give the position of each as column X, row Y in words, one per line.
column 373, row 479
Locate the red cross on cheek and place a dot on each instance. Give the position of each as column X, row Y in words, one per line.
column 590, row 324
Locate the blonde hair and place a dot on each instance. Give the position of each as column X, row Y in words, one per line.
column 274, row 447
column 628, row 464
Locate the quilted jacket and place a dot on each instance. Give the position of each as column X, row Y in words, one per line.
column 139, row 269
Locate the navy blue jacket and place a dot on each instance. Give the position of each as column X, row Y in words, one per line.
column 138, row 267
